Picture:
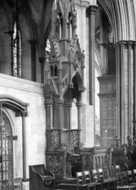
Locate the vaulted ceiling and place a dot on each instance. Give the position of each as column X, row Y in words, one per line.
column 36, row 13
column 122, row 16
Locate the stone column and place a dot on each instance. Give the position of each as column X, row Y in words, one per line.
column 33, row 59
column 49, row 113
column 91, row 12
column 19, row 66
column 60, row 109
column 60, row 83
column 67, row 121
column 124, row 84
column 59, row 118
column 79, row 116
column 118, row 94
column 24, row 147
column 130, row 88
column 42, row 61
column 134, row 92
column 67, row 115
column 124, row 91
column 79, row 112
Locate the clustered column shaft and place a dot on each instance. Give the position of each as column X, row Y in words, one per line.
column 125, row 93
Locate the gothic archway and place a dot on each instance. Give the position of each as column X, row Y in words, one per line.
column 6, row 152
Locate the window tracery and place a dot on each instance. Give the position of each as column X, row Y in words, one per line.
column 6, row 152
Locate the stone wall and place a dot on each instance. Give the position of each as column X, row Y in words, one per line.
column 32, row 94
column 107, row 109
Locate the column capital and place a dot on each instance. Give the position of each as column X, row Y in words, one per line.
column 125, row 43
column 134, row 42
column 24, row 113
column 85, row 3
column 122, row 43
column 91, row 10
column 130, row 42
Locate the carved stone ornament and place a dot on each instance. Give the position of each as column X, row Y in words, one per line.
column 64, row 68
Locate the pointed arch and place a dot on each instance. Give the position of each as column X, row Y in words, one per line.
column 132, row 21
column 6, row 151
column 19, row 107
column 121, row 15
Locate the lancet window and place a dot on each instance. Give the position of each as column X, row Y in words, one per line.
column 6, row 152
column 16, row 51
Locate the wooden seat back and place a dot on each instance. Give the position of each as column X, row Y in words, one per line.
column 79, row 177
column 87, row 176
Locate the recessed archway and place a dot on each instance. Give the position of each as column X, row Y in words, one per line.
column 7, row 136
column 6, row 152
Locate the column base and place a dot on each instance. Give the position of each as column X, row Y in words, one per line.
column 25, row 185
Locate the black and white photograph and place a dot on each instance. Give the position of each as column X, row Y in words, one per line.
column 67, row 94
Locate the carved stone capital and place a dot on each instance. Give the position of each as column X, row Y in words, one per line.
column 130, row 43
column 25, row 113
column 124, row 43
column 134, row 42
column 85, row 3
column 91, row 10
